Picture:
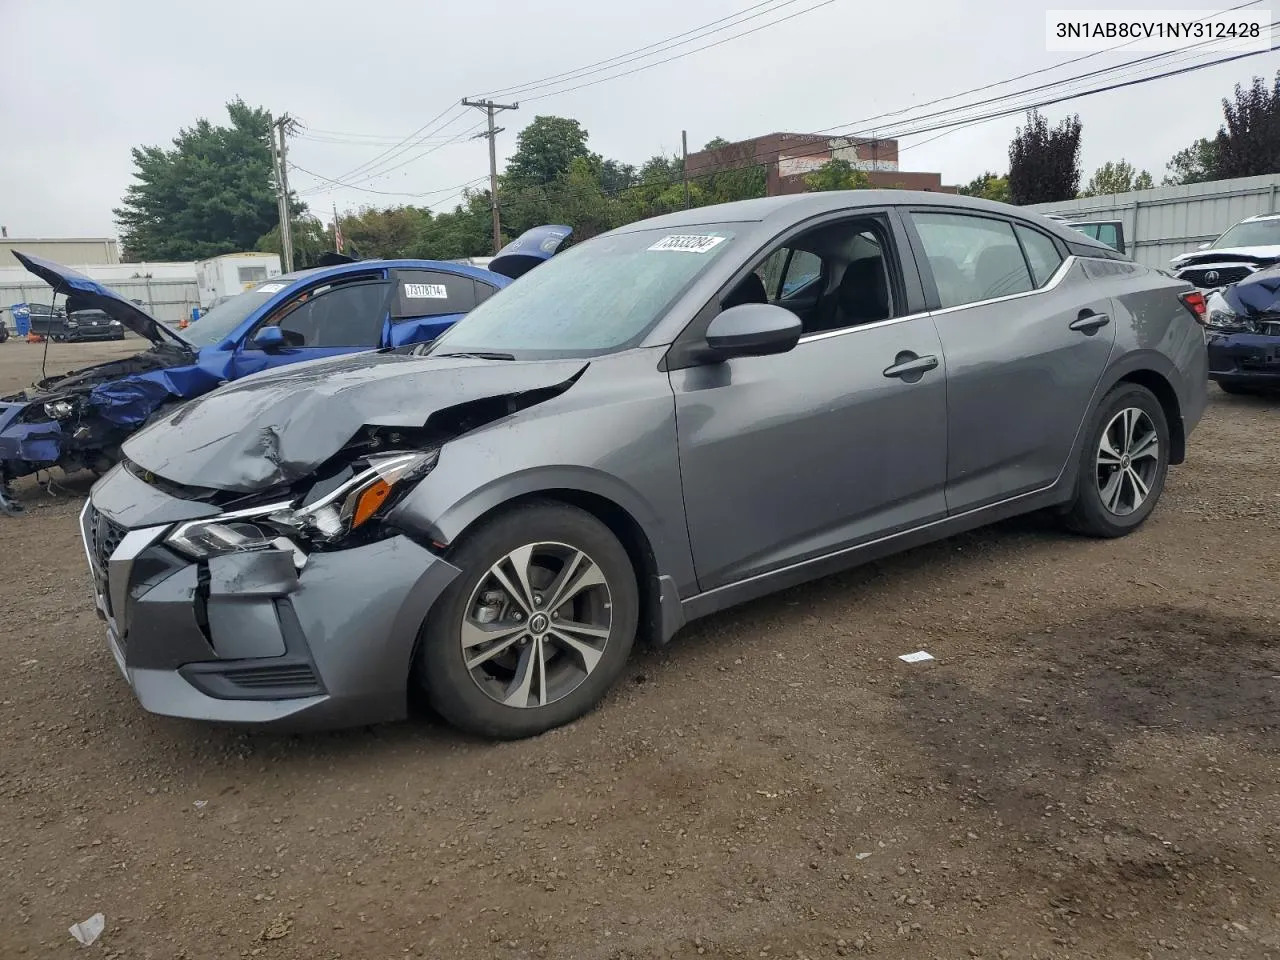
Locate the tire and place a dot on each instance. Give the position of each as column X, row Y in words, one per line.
column 579, row 668
column 1105, row 506
column 1236, row 389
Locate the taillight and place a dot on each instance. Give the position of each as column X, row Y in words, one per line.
column 1195, row 302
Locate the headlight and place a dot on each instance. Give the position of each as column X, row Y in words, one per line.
column 358, row 500
column 229, row 533
column 116, row 323
column 73, row 323
column 58, row 409
column 1223, row 318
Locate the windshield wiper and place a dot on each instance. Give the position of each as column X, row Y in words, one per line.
column 476, row 355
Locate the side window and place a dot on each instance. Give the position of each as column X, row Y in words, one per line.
column 770, row 272
column 1107, row 234
column 339, row 315
column 483, row 292
column 431, row 293
column 972, row 258
column 802, row 269
column 1041, row 252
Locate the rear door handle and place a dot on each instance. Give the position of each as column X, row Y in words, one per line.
column 910, row 367
column 1090, row 322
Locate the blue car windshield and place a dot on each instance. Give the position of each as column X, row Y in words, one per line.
column 214, row 326
column 598, row 297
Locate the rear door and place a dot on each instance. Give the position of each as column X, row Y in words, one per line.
column 426, row 303
column 340, row 315
column 1026, row 339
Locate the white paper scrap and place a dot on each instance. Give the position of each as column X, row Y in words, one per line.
column 918, row 657
column 87, row 931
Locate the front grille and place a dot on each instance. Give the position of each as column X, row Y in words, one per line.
column 285, row 676
column 104, row 536
column 1222, row 275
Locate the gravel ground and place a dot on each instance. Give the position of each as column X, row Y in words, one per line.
column 1088, row 769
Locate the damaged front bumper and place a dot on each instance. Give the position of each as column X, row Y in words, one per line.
column 247, row 638
column 1244, row 358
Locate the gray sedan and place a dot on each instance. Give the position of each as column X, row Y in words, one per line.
column 671, row 418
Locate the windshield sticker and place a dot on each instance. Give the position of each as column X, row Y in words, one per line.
column 426, row 291
column 271, row 288
column 687, row 243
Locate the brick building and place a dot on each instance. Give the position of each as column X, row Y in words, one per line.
column 789, row 157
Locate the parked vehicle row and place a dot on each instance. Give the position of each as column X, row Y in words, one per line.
column 660, row 422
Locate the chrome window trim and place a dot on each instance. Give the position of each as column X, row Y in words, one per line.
column 1058, row 276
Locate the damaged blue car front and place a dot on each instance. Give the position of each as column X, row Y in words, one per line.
column 1243, row 334
column 78, row 420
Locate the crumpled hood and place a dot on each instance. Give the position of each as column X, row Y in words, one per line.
column 278, row 426
column 89, row 293
column 1257, row 294
column 1266, row 254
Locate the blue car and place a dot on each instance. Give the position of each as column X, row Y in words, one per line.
column 1243, row 334
column 78, row 420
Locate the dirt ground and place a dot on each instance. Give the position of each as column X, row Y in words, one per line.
column 1088, row 769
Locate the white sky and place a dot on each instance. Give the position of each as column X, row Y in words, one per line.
column 85, row 80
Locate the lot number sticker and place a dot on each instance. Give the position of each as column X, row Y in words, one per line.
column 687, row 243
column 426, row 291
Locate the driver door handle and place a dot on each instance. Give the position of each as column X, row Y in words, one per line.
column 910, row 367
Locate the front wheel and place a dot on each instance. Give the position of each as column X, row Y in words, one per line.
column 1123, row 464
column 536, row 629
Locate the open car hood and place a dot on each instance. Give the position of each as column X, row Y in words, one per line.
column 1257, row 294
column 279, row 426
column 84, row 293
column 1251, row 255
column 534, row 246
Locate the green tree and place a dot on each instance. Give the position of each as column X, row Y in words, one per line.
column 212, row 193
column 389, row 232
column 837, row 174
column 1044, row 163
column 740, row 174
column 1248, row 144
column 311, row 238
column 1117, row 177
column 544, row 151
column 989, row 186
column 464, row 231
column 1197, row 163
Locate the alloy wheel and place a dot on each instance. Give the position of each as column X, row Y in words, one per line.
column 537, row 624
column 1128, row 461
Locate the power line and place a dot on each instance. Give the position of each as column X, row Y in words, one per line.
column 389, row 193
column 638, row 54
column 687, row 53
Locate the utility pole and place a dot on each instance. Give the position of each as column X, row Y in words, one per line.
column 280, row 157
column 490, row 108
column 684, row 165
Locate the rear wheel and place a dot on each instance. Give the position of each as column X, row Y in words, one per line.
column 1123, row 464
column 536, row 629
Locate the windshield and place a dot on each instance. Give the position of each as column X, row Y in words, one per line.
column 1255, row 233
column 597, row 297
column 215, row 325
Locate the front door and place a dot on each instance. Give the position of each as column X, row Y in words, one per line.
column 1027, row 338
column 841, row 440
column 339, row 316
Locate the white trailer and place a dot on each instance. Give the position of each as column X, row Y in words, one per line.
column 233, row 273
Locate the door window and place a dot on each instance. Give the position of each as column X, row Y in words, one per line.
column 972, row 258
column 350, row 314
column 1041, row 252
column 431, row 293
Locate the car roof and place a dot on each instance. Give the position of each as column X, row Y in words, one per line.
column 785, row 210
column 359, row 266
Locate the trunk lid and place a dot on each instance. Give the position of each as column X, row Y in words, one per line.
column 531, row 248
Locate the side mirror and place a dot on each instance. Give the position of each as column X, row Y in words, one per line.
column 269, row 339
column 753, row 330
column 1205, row 245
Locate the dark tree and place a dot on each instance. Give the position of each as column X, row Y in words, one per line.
column 1044, row 163
column 1194, row 164
column 1248, row 144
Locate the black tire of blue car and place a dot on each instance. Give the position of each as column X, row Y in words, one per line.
column 1088, row 514
column 441, row 671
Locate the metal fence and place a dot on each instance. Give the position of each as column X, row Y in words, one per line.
column 1164, row 222
column 167, row 300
